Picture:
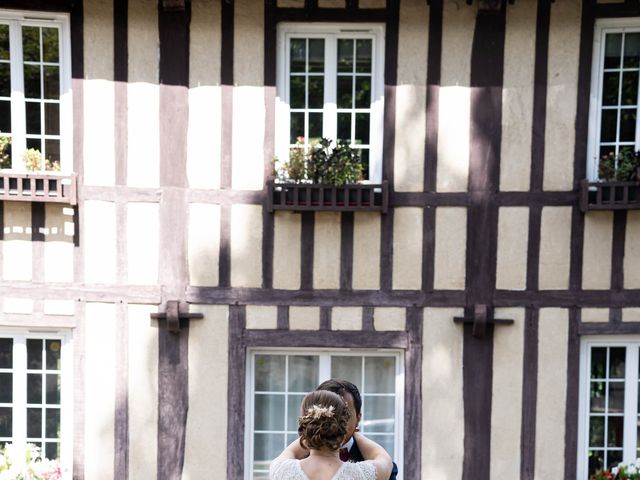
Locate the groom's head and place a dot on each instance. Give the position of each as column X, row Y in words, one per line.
column 351, row 395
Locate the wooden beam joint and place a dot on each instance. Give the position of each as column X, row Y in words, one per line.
column 173, row 313
column 481, row 317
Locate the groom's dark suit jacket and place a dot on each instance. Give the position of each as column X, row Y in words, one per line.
column 356, row 456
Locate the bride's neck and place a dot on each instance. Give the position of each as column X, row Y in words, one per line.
column 325, row 453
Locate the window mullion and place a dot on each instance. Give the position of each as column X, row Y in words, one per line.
column 19, row 391
column 324, row 367
column 18, row 130
column 630, row 404
column 330, row 116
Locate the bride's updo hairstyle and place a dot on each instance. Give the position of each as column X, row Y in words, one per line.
column 323, row 420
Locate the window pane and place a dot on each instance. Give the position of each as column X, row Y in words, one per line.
column 598, row 362
column 52, row 149
column 631, row 50
column 50, row 44
column 52, row 450
column 34, row 354
column 4, row 42
column 37, row 144
column 597, row 397
column 616, row 397
column 628, row 125
column 31, row 44
column 52, row 119
column 5, row 116
column 296, row 91
column 364, row 158
column 51, row 82
column 316, row 92
column 610, row 85
column 6, row 352
column 293, row 411
column 34, row 422
column 614, row 431
column 363, row 92
column 53, row 389
column 385, row 441
column 53, row 354
column 6, row 387
column 315, row 126
column 316, row 55
column 269, row 412
column 34, row 388
column 269, row 373
column 616, row 362
column 266, row 447
column 344, row 127
column 596, row 461
column 298, row 54
column 380, row 374
column 297, row 127
column 630, row 88
column 363, row 56
column 345, row 55
column 347, row 368
column 613, row 44
column 596, row 432
column 345, row 93
column 362, row 129
column 614, row 457
column 379, row 414
column 6, row 422
column 608, row 128
column 303, row 373
column 52, row 428
column 33, row 117
column 32, row 81
column 5, row 80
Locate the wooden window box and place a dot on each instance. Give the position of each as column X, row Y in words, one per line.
column 609, row 195
column 38, row 187
column 302, row 197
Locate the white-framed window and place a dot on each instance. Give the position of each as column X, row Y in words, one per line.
column 277, row 381
column 36, row 399
column 614, row 103
column 35, row 89
column 609, row 414
column 330, row 83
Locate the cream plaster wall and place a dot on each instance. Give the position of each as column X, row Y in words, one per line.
column 144, row 41
column 517, row 96
column 562, row 77
column 142, row 243
column 632, row 250
column 331, row 3
column 59, row 307
column 631, row 314
column 390, row 319
column 58, row 245
column 594, row 315
column 346, row 318
column 326, row 250
column 248, row 45
column 596, row 259
column 97, row 26
column 259, row 317
column 286, row 250
column 407, row 248
column 442, row 402
column 555, row 244
column 304, row 318
column 450, row 248
column 203, row 244
column 206, row 439
column 17, row 255
column 246, row 246
column 372, row 4
column 506, row 403
column 411, row 96
column 248, row 137
column 17, row 305
column 205, row 37
column 99, row 388
column 513, row 227
column 291, row 3
column 366, row 252
column 553, row 333
column 99, row 234
column 204, row 137
column 143, row 391
column 458, row 24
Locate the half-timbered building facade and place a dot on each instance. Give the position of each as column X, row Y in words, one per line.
column 164, row 305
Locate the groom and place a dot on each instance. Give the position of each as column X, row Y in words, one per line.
column 351, row 395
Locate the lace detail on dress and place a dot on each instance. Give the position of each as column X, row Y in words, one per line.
column 289, row 469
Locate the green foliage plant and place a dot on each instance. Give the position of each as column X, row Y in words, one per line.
column 5, row 159
column 622, row 167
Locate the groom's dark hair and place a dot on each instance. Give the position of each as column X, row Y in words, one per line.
column 340, row 387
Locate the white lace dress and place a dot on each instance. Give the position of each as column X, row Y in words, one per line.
column 290, row 469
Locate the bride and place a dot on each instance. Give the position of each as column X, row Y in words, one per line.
column 322, row 427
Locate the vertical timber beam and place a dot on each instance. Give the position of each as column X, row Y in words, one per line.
column 487, row 64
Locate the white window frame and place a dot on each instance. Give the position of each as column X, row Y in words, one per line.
column 324, row 374
column 632, row 343
column 330, row 32
column 604, row 26
column 19, row 370
column 16, row 19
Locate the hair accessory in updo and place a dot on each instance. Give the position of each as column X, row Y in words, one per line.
column 323, row 420
column 318, row 411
